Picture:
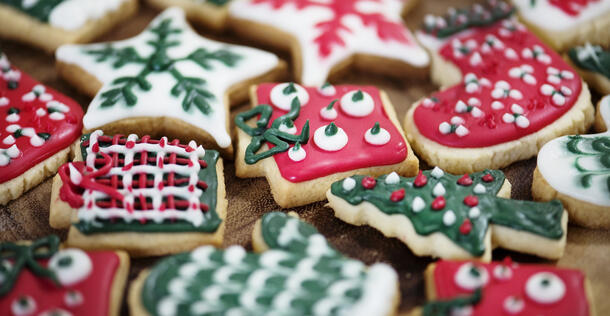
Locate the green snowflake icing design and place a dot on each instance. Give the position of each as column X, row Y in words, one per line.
column 598, row 147
column 193, row 89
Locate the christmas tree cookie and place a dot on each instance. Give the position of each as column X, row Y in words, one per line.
column 38, row 127
column 566, row 23
column 50, row 23
column 506, row 92
column 294, row 272
column 304, row 138
column 167, row 81
column 212, row 14
column 142, row 195
column 453, row 217
column 593, row 64
column 583, row 184
column 326, row 37
column 505, row 288
column 42, row 278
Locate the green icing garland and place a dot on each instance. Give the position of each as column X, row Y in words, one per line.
column 591, row 57
column 40, row 10
column 444, row 308
column 598, row 146
column 195, row 92
column 467, row 231
column 210, row 281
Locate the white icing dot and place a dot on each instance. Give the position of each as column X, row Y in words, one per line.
column 462, row 311
column 349, row 184
column 457, row 120
column 327, row 90
column 470, row 277
column 284, row 100
column 14, row 117
column 57, row 116
column 508, row 118
column 41, row 112
column 13, row 151
column 73, row 298
column 461, row 131
column 502, row 272
column 23, row 306
column 460, row 106
column 327, row 114
column 449, row 218
column 290, row 130
column 444, row 128
column 437, row 172
column 330, row 143
column 392, row 178
column 3, row 162
column 474, row 212
column 546, row 89
column 12, row 128
column 359, row 108
column 513, row 305
column 70, row 266
column 438, row 190
column 4, row 101
column 28, row 97
column 36, row 141
column 522, row 121
column 510, row 53
column 476, row 59
column 297, row 155
column 479, row 189
column 558, row 99
column 381, row 138
column 545, row 288
column 497, row 105
column 9, row 140
column 418, row 204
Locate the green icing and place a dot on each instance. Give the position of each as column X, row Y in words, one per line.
column 597, row 147
column 592, row 58
column 194, row 90
column 538, row 218
column 219, row 3
column 40, row 10
column 209, row 196
column 300, row 275
column 444, row 308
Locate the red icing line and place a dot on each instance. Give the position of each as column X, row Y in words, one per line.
column 355, row 155
column 574, row 302
column 490, row 129
column 95, row 289
column 571, row 7
column 63, row 132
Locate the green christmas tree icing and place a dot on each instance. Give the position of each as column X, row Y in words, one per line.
column 301, row 274
column 38, row 9
column 193, row 89
column 591, row 57
column 460, row 207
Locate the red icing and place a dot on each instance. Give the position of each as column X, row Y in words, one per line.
column 465, row 180
column 574, row 302
column 330, row 32
column 368, row 182
column 489, row 128
column 95, row 289
column 420, row 180
column 397, row 195
column 466, row 227
column 439, row 203
column 488, row 178
column 63, row 132
column 355, row 155
column 571, row 7
column 471, row 200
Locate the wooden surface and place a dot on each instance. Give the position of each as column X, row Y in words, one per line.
column 27, row 217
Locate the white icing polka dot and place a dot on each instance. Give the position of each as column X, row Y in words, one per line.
column 73, row 298
column 36, row 141
column 298, row 154
column 418, row 204
column 14, row 117
column 327, row 90
column 545, row 288
column 328, row 114
column 70, row 266
column 470, row 277
column 474, row 212
column 349, row 184
column 462, row 311
column 461, row 131
column 502, row 272
column 284, row 100
column 56, row 312
column 449, row 218
column 41, row 112
column 330, row 143
column 4, row 101
column 381, row 138
column 12, row 128
column 497, row 105
column 357, row 108
column 437, row 172
column 290, row 130
column 23, row 306
column 57, row 116
column 479, row 189
column 9, row 140
column 392, row 178
column 438, row 190
column 513, row 305
column 444, row 128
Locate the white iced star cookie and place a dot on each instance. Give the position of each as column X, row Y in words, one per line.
column 326, row 36
column 167, row 81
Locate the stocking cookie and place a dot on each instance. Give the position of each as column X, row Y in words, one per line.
column 37, row 128
column 507, row 92
column 167, row 81
column 505, row 288
column 50, row 23
column 296, row 272
column 326, row 37
column 39, row 278
column 145, row 196
column 566, row 23
column 593, row 64
column 304, row 138
column 212, row 14
column 583, row 184
column 454, row 217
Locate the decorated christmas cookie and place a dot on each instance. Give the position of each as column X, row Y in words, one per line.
column 507, row 93
column 505, row 288
column 50, row 23
column 39, row 278
column 295, row 272
column 142, row 195
column 583, row 185
column 593, row 64
column 167, row 81
column 304, row 138
column 37, row 128
column 212, row 14
column 326, row 37
column 565, row 23
column 448, row 216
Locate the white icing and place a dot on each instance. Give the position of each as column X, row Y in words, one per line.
column 298, row 154
column 479, row 189
column 549, row 17
column 502, row 272
column 537, row 53
column 381, row 138
column 290, row 130
column 462, row 311
column 330, row 143
column 503, row 90
column 327, row 90
column 497, row 105
column 438, row 190
column 25, row 307
column 327, row 114
column 377, row 295
column 469, row 281
column 349, row 184
column 9, row 140
column 358, row 39
column 524, row 72
column 513, row 305
column 78, row 268
column 360, row 108
column 4, row 101
column 71, row 15
column 545, row 293
column 449, row 218
column 284, row 101
column 474, row 212
column 55, row 312
column 437, row 172
column 73, row 298
column 392, row 178
column 418, row 204
column 159, row 102
column 461, row 131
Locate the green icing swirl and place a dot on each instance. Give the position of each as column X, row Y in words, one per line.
column 299, row 275
column 542, row 219
column 41, row 10
column 592, row 58
column 587, row 147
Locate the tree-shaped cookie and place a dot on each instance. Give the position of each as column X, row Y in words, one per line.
column 295, row 272
column 167, row 81
column 449, row 216
column 38, row 126
column 328, row 36
column 304, row 138
column 507, row 93
column 505, row 288
column 142, row 195
column 212, row 14
column 576, row 170
column 593, row 64
column 39, row 278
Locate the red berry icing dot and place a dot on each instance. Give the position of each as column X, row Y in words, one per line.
column 368, row 182
column 420, row 180
column 488, row 178
column 438, row 203
column 465, row 180
column 397, row 195
column 130, row 144
column 466, row 227
column 471, row 200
